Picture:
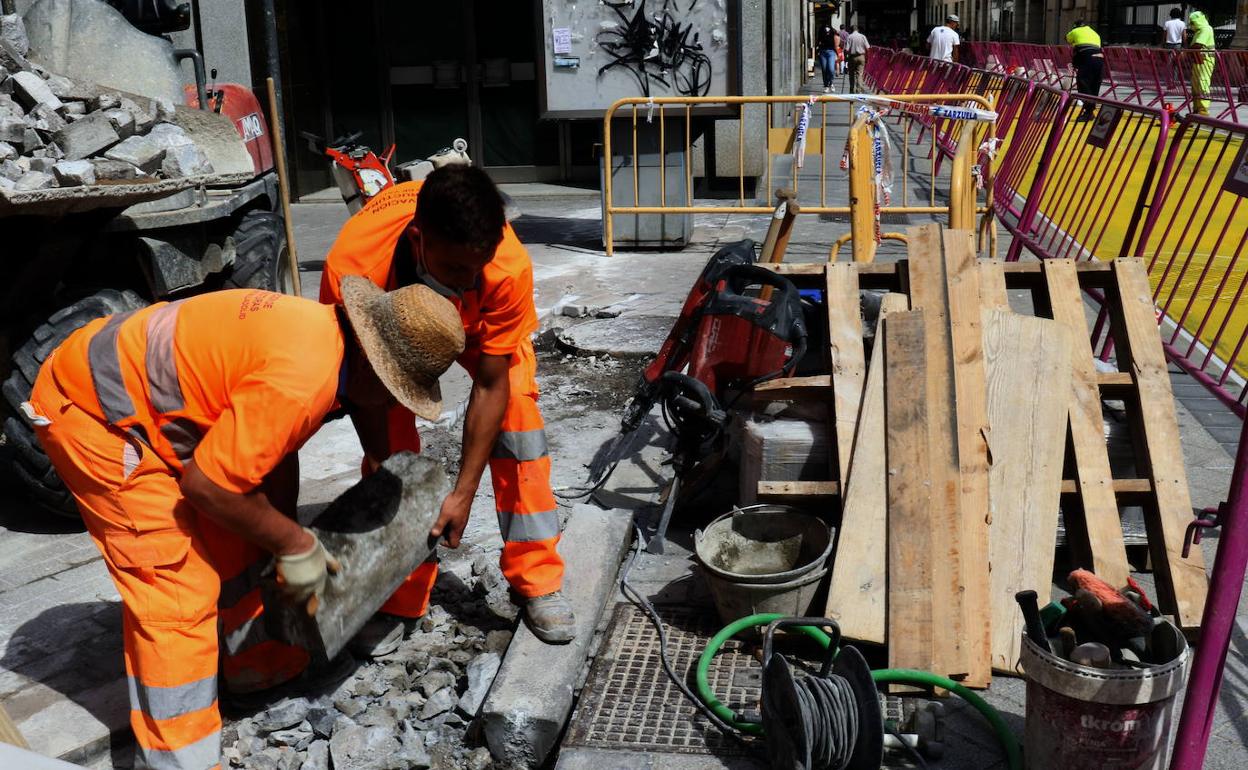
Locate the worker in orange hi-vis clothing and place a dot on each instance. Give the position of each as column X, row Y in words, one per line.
column 176, row 429
column 449, row 233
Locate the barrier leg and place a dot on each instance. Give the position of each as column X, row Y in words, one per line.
column 1196, row 723
column 862, row 192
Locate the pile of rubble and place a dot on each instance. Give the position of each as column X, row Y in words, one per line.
column 55, row 132
column 412, row 708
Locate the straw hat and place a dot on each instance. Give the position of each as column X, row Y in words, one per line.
column 410, row 336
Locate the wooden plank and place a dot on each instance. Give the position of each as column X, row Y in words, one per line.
column 818, row 386
column 773, row 490
column 928, row 290
column 857, row 592
column 1181, row 583
column 912, row 625
column 1027, row 412
column 992, row 284
column 1093, row 526
column 849, row 365
column 962, row 280
column 1119, row 487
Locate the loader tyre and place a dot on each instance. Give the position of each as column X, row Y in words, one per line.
column 27, row 462
column 260, row 260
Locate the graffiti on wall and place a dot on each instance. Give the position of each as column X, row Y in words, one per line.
column 656, row 48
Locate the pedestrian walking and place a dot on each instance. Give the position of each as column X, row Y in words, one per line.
column 856, row 54
column 1174, row 29
column 1202, row 69
column 844, row 34
column 829, row 47
column 944, row 39
column 1088, row 61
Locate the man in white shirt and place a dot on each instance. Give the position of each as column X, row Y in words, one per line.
column 1175, row 28
column 944, row 39
column 856, row 54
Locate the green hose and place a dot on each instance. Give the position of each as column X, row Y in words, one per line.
column 1013, row 752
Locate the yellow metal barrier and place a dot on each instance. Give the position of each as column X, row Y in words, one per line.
column 961, row 210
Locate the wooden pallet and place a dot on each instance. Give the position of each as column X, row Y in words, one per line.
column 1091, row 497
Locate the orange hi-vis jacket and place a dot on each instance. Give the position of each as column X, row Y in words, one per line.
column 234, row 379
column 498, row 315
column 499, row 319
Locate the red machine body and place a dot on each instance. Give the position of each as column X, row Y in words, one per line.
column 724, row 338
column 241, row 106
column 733, row 348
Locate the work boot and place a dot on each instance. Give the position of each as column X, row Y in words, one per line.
column 381, row 635
column 550, row 618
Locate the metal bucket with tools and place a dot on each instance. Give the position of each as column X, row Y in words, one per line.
column 764, row 558
column 1083, row 717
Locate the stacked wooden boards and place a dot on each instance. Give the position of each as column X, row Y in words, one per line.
column 964, row 432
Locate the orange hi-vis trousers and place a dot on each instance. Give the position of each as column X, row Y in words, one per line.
column 183, row 587
column 528, row 516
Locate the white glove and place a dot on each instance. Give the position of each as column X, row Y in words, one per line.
column 301, row 577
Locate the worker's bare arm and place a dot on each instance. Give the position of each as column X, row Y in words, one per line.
column 251, row 516
column 372, row 426
column 281, row 486
column 491, row 389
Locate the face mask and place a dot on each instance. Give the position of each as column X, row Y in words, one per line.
column 424, row 276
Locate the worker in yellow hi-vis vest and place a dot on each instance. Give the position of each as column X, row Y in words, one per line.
column 1202, row 68
column 1089, row 63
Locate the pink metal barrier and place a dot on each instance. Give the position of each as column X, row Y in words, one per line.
column 1092, row 181
column 1020, row 168
column 1152, row 77
column 1194, row 240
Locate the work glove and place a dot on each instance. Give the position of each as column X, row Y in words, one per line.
column 301, row 577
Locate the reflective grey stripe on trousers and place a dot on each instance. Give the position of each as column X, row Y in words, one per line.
column 522, row 445
column 246, row 636
column 528, row 527
column 170, row 702
column 200, row 755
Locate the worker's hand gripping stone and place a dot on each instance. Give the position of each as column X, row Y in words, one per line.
column 301, row 577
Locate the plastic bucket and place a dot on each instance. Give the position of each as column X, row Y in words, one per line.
column 1083, row 718
column 763, row 558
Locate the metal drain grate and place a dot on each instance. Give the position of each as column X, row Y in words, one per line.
column 629, row 703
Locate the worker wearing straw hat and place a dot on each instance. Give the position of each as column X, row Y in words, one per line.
column 176, row 429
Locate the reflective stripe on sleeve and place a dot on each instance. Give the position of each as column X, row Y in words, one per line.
column 105, row 363
column 162, row 370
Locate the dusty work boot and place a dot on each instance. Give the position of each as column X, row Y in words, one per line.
column 550, row 618
column 381, row 635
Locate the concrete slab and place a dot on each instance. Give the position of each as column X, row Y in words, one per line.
column 532, row 695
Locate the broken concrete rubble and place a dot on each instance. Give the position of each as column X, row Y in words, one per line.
column 138, row 151
column 49, row 117
column 13, row 32
column 30, row 91
column 89, row 136
column 107, row 170
column 184, row 160
column 12, row 59
column 71, row 173
column 122, row 120
column 35, row 180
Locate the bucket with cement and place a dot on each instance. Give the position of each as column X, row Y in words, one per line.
column 1085, row 718
column 763, row 558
